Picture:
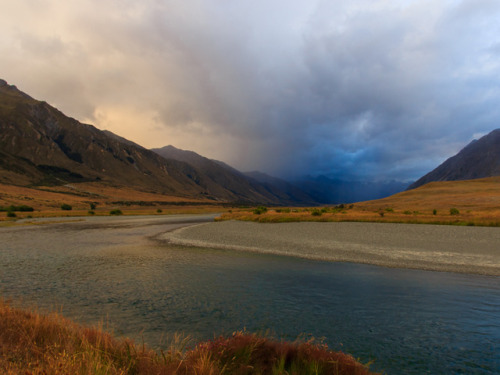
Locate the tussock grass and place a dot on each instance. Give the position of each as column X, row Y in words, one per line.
column 31, row 343
column 101, row 198
column 472, row 202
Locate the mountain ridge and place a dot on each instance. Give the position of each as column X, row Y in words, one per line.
column 479, row 159
column 40, row 145
column 221, row 173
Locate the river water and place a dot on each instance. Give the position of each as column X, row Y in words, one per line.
column 117, row 271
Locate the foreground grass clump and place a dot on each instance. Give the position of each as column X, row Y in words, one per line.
column 31, row 343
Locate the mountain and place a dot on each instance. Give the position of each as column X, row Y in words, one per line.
column 39, row 145
column 333, row 190
column 241, row 186
column 479, row 159
column 282, row 188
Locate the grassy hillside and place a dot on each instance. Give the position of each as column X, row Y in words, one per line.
column 31, row 343
column 471, row 202
column 94, row 199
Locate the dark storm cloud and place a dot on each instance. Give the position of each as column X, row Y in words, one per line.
column 360, row 89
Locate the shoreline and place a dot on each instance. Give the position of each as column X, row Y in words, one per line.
column 470, row 250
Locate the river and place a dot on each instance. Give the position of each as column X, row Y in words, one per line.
column 118, row 270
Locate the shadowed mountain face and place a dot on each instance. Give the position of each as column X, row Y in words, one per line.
column 334, row 191
column 220, row 174
column 479, row 159
column 39, row 145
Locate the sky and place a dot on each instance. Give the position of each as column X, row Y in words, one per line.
column 360, row 89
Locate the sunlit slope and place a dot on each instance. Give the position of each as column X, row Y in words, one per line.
column 471, row 202
column 481, row 195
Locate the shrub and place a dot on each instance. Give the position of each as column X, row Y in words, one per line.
column 260, row 210
column 434, row 212
column 91, row 212
column 389, row 209
column 93, row 205
column 454, row 211
column 116, row 212
column 11, row 214
column 381, row 213
column 66, row 207
column 22, row 208
column 316, row 212
column 159, row 210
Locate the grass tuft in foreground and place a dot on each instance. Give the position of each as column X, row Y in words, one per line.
column 31, row 343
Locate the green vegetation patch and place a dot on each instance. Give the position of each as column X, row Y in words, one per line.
column 22, row 208
column 260, row 210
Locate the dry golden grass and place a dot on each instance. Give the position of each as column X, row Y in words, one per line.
column 478, row 203
column 34, row 344
column 46, row 201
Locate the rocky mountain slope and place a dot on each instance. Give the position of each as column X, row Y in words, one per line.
column 479, row 159
column 39, row 145
column 220, row 174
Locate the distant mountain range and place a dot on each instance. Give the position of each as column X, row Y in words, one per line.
column 218, row 174
column 479, row 159
column 333, row 190
column 39, row 145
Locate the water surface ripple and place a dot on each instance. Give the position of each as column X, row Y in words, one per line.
column 113, row 269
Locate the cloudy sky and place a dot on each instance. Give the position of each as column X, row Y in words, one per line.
column 366, row 89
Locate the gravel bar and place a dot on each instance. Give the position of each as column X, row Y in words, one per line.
column 430, row 247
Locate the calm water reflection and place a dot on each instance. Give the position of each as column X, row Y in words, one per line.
column 408, row 321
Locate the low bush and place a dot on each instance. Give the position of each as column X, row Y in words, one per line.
column 454, row 211
column 66, row 207
column 116, row 212
column 22, row 208
column 11, row 214
column 260, row 210
column 316, row 212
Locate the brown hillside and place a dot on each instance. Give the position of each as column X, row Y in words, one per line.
column 471, row 202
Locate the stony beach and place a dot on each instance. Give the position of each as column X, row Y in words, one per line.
column 430, row 247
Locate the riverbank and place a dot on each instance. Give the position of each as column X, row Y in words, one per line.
column 31, row 343
column 429, row 247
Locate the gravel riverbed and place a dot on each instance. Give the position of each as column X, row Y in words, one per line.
column 431, row 247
